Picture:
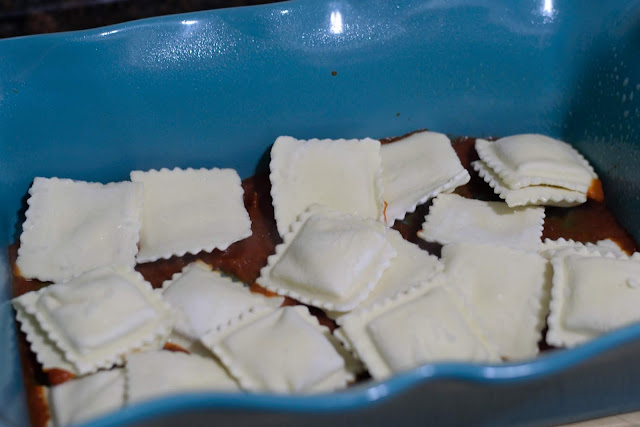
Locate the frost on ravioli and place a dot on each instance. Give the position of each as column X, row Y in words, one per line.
column 82, row 399
column 426, row 324
column 530, row 159
column 296, row 355
column 96, row 318
column 344, row 175
column 329, row 259
column 591, row 295
column 190, row 211
column 455, row 219
column 159, row 373
column 531, row 195
column 505, row 288
column 73, row 226
column 204, row 299
column 416, row 168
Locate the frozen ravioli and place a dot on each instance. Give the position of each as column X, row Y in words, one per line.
column 410, row 268
column 426, row 324
column 455, row 219
column 344, row 175
column 82, row 399
column 296, row 354
column 94, row 319
column 531, row 195
column 73, row 226
column 591, row 295
column 504, row 287
column 159, row 373
column 416, row 168
column 521, row 161
column 190, row 210
column 204, row 299
column 329, row 259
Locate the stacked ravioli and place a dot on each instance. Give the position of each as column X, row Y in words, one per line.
column 534, row 169
column 394, row 305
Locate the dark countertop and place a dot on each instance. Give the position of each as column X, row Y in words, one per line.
column 24, row 17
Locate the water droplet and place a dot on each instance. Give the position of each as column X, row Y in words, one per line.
column 633, row 283
column 624, row 97
column 625, row 82
column 626, row 113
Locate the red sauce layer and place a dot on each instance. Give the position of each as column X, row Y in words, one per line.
column 243, row 260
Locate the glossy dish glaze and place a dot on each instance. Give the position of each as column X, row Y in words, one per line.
column 217, row 88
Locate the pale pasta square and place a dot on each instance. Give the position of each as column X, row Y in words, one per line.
column 204, row 299
column 79, row 400
column 344, row 175
column 190, row 210
column 424, row 325
column 297, row 355
column 455, row 219
column 75, row 226
column 416, row 168
column 157, row 373
column 504, row 287
column 592, row 294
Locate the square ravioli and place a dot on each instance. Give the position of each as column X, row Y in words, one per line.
column 455, row 219
column 329, row 259
column 530, row 159
column 344, row 175
column 591, row 295
column 204, row 299
column 190, row 210
column 96, row 318
column 79, row 400
column 295, row 354
column 416, row 168
column 503, row 286
column 159, row 373
column 410, row 268
column 73, row 226
column 531, row 195
column 426, row 324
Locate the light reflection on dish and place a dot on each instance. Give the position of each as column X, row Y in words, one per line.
column 336, row 22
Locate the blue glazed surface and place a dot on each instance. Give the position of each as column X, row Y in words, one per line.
column 216, row 89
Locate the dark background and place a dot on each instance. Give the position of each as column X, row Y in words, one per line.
column 23, row 17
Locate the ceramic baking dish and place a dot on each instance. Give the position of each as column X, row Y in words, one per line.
column 217, row 88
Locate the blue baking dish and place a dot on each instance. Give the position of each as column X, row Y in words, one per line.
column 216, row 89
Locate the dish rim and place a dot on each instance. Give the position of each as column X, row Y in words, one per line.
column 362, row 395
